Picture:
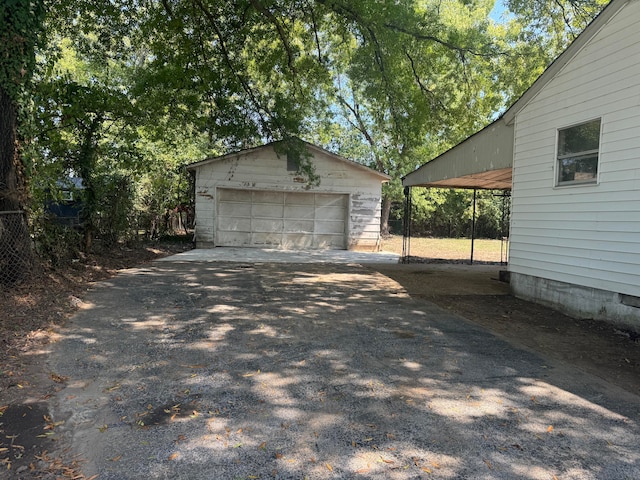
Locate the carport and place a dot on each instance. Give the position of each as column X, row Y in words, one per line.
column 484, row 161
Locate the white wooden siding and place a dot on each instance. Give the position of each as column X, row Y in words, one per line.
column 262, row 170
column 586, row 235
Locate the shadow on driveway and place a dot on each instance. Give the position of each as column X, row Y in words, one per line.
column 235, row 370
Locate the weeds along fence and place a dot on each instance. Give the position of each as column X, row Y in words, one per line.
column 16, row 255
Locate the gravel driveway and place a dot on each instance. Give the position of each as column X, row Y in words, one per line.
column 323, row 371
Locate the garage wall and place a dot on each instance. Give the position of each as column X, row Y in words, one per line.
column 262, row 170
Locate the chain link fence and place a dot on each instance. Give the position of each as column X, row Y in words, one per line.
column 16, row 255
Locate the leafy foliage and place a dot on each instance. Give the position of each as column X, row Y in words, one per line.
column 136, row 90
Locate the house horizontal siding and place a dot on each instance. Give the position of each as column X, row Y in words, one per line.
column 587, row 235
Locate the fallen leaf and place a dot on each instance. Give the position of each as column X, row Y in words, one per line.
column 435, row 464
column 58, row 378
column 115, row 459
column 363, row 470
column 550, row 428
column 488, row 464
column 279, row 455
column 386, row 461
column 329, row 467
column 262, row 446
column 425, row 469
column 173, row 456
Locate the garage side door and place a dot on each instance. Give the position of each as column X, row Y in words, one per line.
column 281, row 219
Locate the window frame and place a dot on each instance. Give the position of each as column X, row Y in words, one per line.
column 581, row 154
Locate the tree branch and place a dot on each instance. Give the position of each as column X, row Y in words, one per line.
column 423, row 88
column 449, row 45
column 281, row 33
column 260, row 110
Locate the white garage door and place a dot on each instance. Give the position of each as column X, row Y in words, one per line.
column 248, row 218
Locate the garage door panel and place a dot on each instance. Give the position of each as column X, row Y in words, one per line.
column 228, row 195
column 267, row 226
column 266, row 239
column 329, row 213
column 325, row 199
column 234, row 224
column 233, row 239
column 297, row 240
column 299, row 226
column 267, row 211
column 328, row 241
column 294, row 198
column 234, row 209
column 299, row 211
column 268, row 197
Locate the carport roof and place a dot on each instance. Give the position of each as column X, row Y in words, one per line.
column 483, row 160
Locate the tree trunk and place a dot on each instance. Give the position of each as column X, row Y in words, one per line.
column 15, row 242
column 384, row 216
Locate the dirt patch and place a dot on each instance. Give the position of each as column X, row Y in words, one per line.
column 29, row 316
column 475, row 293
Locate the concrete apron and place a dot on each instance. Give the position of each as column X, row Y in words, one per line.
column 224, row 370
column 272, row 255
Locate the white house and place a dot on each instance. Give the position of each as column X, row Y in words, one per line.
column 257, row 198
column 570, row 150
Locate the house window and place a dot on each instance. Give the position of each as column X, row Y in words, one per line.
column 578, row 148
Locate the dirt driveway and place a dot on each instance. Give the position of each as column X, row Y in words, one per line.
column 255, row 371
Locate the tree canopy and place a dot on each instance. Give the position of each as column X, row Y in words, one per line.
column 130, row 90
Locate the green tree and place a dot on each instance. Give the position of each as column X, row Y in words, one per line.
column 20, row 28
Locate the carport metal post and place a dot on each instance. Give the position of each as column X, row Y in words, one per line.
column 473, row 224
column 406, row 227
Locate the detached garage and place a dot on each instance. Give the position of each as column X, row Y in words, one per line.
column 257, row 198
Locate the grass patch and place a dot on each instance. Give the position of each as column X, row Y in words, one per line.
column 448, row 248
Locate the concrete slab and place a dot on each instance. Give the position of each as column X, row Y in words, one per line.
column 273, row 255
